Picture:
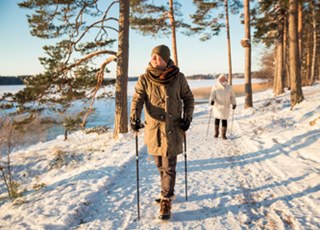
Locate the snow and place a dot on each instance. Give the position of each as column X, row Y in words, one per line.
column 266, row 176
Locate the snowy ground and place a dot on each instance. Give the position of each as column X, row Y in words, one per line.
column 267, row 176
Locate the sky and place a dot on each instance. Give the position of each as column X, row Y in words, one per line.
column 19, row 50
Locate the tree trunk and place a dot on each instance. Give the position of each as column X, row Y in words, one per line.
column 173, row 29
column 278, row 87
column 285, row 53
column 121, row 107
column 314, row 51
column 300, row 27
column 228, row 40
column 305, row 78
column 295, row 74
column 278, row 76
column 247, row 70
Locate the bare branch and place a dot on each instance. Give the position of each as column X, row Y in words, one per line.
column 91, row 26
column 89, row 56
column 100, row 76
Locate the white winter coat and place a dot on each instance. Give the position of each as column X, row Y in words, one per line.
column 223, row 97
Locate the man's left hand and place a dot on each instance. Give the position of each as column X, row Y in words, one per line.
column 185, row 124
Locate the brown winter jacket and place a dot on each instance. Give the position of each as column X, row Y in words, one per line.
column 163, row 110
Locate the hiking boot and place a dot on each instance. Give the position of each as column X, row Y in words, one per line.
column 216, row 131
column 165, row 209
column 157, row 200
column 223, row 132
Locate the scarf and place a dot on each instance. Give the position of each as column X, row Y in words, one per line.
column 162, row 77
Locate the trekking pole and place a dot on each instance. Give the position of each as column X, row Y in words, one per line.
column 209, row 122
column 232, row 122
column 185, row 164
column 137, row 173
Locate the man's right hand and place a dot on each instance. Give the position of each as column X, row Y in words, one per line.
column 136, row 125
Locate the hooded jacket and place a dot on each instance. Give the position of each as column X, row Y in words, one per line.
column 223, row 97
column 167, row 99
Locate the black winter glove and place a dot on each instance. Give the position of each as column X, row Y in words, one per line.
column 136, row 125
column 234, row 106
column 212, row 103
column 185, row 124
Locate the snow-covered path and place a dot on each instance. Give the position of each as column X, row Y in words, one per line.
column 267, row 176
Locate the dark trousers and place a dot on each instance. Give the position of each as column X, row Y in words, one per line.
column 167, row 170
column 217, row 122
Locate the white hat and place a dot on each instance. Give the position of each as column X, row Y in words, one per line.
column 222, row 75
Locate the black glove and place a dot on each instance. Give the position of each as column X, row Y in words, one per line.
column 212, row 103
column 234, row 106
column 136, row 125
column 185, row 124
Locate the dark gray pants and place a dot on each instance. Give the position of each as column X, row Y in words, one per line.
column 167, row 170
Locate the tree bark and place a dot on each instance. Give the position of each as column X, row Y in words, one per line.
column 228, row 40
column 308, row 59
column 121, row 107
column 314, row 51
column 285, row 53
column 173, row 29
column 278, row 84
column 247, row 70
column 295, row 74
column 300, row 27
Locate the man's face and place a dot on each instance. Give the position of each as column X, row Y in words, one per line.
column 157, row 62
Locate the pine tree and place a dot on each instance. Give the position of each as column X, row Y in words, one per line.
column 295, row 74
column 75, row 66
column 161, row 19
column 247, row 71
column 209, row 24
column 121, row 120
column 270, row 19
column 315, row 21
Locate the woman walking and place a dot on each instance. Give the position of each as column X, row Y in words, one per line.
column 221, row 97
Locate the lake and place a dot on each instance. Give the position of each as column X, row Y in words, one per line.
column 104, row 108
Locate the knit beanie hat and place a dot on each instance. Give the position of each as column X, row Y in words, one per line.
column 163, row 51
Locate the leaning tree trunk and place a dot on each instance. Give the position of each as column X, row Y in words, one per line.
column 228, row 40
column 173, row 29
column 314, row 51
column 278, row 84
column 121, row 108
column 295, row 74
column 247, row 71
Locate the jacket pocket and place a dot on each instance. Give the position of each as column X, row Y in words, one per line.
column 178, row 133
column 152, row 134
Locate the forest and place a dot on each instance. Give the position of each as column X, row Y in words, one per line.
column 10, row 80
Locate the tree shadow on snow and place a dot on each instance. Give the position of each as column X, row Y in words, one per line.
column 207, row 212
column 294, row 144
column 118, row 195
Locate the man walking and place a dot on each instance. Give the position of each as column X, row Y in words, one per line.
column 168, row 107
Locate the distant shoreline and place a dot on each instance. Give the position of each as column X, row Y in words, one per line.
column 204, row 92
